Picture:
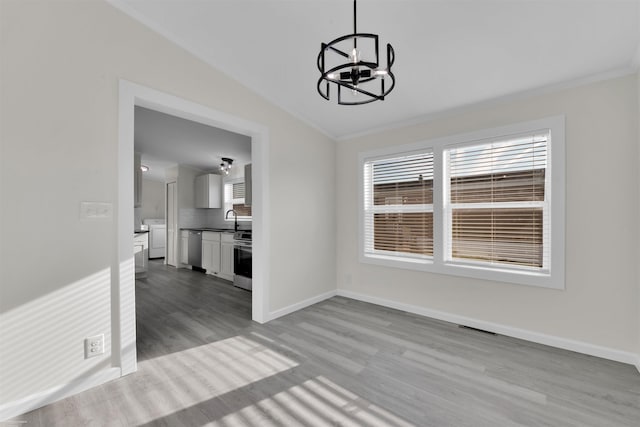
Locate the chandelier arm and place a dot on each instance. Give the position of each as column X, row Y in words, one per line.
column 324, row 95
column 359, row 90
column 332, row 43
column 364, row 101
column 339, row 52
column 370, row 65
column 321, row 58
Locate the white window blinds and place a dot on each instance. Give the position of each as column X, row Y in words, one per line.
column 398, row 211
column 497, row 202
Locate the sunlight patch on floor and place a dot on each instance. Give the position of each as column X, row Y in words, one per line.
column 315, row 402
column 190, row 377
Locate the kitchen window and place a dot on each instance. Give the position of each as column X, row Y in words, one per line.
column 234, row 199
column 486, row 205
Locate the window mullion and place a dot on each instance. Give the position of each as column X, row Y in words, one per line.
column 440, row 188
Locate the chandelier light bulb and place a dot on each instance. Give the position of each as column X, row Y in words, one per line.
column 354, row 56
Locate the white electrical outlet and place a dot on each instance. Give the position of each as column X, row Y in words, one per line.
column 93, row 346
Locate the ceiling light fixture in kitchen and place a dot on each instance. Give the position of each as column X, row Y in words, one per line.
column 361, row 72
column 144, row 168
column 226, row 165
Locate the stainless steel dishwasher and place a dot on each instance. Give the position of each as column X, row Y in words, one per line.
column 195, row 248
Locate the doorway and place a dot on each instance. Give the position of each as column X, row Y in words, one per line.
column 123, row 285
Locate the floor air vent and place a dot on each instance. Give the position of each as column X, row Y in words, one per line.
column 477, row 330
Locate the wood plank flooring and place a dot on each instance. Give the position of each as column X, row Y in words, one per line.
column 203, row 362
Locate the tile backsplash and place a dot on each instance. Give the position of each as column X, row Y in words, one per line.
column 207, row 218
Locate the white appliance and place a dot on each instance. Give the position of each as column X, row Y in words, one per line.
column 157, row 237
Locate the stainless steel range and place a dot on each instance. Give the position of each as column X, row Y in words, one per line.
column 242, row 259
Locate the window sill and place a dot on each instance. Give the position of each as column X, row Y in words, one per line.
column 496, row 274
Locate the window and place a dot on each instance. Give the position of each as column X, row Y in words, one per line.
column 479, row 205
column 399, row 206
column 234, row 199
column 495, row 204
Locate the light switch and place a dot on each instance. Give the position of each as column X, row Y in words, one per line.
column 101, row 211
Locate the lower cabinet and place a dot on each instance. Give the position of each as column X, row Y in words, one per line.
column 217, row 254
column 226, row 256
column 211, row 252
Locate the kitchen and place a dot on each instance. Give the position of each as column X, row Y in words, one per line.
column 201, row 178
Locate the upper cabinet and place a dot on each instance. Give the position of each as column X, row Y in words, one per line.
column 248, row 194
column 209, row 191
column 137, row 180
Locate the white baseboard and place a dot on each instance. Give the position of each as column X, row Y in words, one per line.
column 38, row 400
column 300, row 305
column 550, row 340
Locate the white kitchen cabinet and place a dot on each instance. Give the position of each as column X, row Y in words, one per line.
column 209, row 191
column 137, row 180
column 217, row 254
column 211, row 252
column 184, row 247
column 226, row 256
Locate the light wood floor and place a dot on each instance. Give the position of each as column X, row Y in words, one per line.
column 337, row 363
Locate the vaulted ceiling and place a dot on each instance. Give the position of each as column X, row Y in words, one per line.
column 450, row 54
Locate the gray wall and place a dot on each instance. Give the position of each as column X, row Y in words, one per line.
column 599, row 306
column 153, row 199
column 61, row 64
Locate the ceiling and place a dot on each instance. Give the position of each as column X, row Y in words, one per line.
column 165, row 141
column 450, row 54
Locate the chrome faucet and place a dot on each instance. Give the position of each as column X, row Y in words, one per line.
column 235, row 214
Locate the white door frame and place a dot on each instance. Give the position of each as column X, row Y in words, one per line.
column 171, row 207
column 122, row 283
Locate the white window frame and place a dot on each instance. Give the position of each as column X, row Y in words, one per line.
column 553, row 277
column 369, row 211
column 228, row 204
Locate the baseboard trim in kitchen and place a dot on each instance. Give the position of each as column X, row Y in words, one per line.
column 38, row 400
column 300, row 305
column 550, row 340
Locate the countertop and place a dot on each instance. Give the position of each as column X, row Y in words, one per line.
column 217, row 230
column 140, row 231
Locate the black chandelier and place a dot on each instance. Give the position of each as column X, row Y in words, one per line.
column 363, row 79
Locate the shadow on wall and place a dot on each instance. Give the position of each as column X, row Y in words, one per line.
column 43, row 339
